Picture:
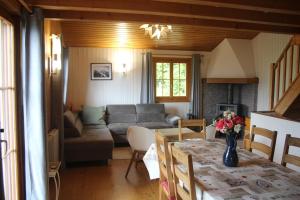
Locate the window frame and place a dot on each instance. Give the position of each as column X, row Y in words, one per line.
column 171, row 98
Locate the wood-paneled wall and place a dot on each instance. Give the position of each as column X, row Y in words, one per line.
column 120, row 90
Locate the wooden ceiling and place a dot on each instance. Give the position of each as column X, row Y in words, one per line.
column 197, row 24
column 128, row 34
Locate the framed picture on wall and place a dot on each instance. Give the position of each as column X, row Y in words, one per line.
column 101, row 71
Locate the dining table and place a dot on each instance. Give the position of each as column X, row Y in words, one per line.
column 254, row 178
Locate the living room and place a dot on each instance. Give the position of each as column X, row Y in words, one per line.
column 103, row 58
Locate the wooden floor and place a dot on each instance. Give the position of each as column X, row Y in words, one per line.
column 100, row 182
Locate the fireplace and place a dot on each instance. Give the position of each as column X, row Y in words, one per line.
column 220, row 95
column 221, row 107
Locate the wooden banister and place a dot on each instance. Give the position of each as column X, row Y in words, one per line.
column 298, row 60
column 291, row 64
column 272, row 82
column 278, row 83
column 284, row 72
column 285, row 50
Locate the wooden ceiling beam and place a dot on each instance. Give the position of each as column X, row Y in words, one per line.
column 218, row 24
column 284, row 6
column 174, row 9
column 25, row 4
column 12, row 6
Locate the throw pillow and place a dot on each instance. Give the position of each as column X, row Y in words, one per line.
column 92, row 115
column 74, row 131
column 78, row 126
column 69, row 119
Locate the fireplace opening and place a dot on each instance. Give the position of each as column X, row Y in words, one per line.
column 221, row 107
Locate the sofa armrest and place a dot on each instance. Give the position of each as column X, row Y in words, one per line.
column 172, row 119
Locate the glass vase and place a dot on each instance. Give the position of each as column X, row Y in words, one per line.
column 230, row 157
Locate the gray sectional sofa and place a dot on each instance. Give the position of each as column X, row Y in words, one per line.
column 120, row 117
column 87, row 142
column 95, row 139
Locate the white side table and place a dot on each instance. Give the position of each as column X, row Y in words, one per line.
column 54, row 173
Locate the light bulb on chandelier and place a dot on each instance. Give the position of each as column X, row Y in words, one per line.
column 157, row 30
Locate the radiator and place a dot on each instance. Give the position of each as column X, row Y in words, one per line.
column 53, row 146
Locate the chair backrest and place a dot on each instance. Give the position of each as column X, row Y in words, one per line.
column 288, row 158
column 271, row 135
column 140, row 138
column 164, row 161
column 246, row 140
column 185, row 191
column 201, row 123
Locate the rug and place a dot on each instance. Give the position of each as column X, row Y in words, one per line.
column 120, row 153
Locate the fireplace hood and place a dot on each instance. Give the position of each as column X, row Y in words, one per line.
column 232, row 59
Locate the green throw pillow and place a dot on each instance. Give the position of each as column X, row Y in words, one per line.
column 93, row 115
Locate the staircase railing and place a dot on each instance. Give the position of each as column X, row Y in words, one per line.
column 284, row 71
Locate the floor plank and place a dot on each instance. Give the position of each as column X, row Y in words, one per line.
column 96, row 182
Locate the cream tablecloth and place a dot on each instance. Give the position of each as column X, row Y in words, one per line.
column 255, row 178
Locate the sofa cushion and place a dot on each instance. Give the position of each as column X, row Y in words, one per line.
column 94, row 144
column 69, row 119
column 75, row 130
column 119, row 128
column 93, row 115
column 155, row 125
column 94, row 126
column 72, row 124
column 92, row 135
column 121, row 113
column 150, row 113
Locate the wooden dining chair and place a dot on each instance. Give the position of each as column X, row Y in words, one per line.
column 247, row 140
column 166, row 185
column 186, row 189
column 262, row 147
column 201, row 123
column 288, row 158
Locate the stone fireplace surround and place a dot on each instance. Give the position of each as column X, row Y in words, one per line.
column 243, row 94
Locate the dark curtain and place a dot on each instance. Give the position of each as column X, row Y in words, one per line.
column 32, row 69
column 65, row 71
column 147, row 89
column 196, row 92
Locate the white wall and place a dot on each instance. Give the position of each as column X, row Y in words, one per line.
column 232, row 58
column 267, row 48
column 120, row 90
column 282, row 127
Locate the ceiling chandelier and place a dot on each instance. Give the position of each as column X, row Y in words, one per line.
column 157, row 30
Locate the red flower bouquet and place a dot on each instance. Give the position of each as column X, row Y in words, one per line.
column 229, row 123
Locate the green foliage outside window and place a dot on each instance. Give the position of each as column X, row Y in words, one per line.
column 163, row 79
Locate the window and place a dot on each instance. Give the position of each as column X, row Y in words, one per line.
column 8, row 111
column 172, row 79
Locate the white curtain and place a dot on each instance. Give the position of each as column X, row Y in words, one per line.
column 8, row 113
column 32, row 69
column 65, row 72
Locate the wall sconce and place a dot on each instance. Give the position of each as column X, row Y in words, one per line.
column 55, row 54
column 124, row 70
